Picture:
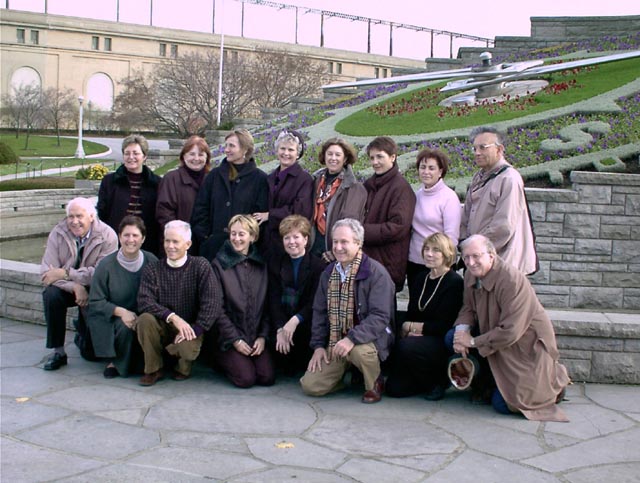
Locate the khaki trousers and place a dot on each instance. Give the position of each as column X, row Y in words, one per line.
column 155, row 335
column 329, row 378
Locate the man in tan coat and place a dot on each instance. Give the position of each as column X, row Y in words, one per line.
column 495, row 205
column 515, row 335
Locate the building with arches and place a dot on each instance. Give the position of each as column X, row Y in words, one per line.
column 91, row 56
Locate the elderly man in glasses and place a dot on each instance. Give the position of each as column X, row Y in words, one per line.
column 502, row 319
column 495, row 205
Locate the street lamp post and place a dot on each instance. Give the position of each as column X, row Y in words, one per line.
column 80, row 150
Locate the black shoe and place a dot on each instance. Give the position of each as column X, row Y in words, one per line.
column 435, row 394
column 110, row 372
column 55, row 362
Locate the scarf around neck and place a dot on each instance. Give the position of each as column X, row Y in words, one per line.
column 341, row 301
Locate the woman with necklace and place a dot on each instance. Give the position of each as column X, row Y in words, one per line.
column 435, row 298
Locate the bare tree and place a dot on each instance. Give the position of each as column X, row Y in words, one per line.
column 24, row 105
column 58, row 108
column 280, row 77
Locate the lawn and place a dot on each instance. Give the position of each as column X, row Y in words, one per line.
column 418, row 111
column 55, row 163
column 48, row 145
column 41, row 183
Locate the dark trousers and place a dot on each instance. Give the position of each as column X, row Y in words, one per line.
column 245, row 371
column 56, row 302
column 419, row 364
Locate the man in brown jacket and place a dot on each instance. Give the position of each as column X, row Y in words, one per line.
column 515, row 335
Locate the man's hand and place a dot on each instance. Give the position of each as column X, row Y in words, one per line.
column 343, row 347
column 81, row 294
column 258, row 347
column 53, row 275
column 319, row 355
column 185, row 331
column 462, row 342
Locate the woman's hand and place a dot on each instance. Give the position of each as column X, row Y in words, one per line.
column 261, row 217
column 128, row 318
column 258, row 347
column 284, row 336
column 242, row 347
column 412, row 329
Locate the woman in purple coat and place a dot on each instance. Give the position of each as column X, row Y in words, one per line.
column 290, row 189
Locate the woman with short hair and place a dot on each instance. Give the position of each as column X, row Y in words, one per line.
column 438, row 209
column 337, row 193
column 240, row 334
column 178, row 189
column 290, row 189
column 113, row 305
column 435, row 298
column 132, row 190
column 293, row 280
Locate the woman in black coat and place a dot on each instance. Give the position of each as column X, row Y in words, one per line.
column 290, row 189
column 132, row 190
column 293, row 280
column 236, row 187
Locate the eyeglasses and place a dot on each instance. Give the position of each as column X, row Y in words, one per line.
column 474, row 256
column 483, row 147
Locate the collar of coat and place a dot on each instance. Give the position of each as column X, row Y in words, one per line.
column 346, row 175
column 376, row 181
column 229, row 258
column 250, row 167
column 363, row 273
column 148, row 176
column 496, row 272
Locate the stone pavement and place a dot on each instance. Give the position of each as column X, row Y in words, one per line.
column 73, row 425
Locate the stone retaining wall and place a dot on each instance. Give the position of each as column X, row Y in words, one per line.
column 588, row 241
column 595, row 347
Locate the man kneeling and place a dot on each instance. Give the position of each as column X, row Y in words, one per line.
column 179, row 298
column 352, row 317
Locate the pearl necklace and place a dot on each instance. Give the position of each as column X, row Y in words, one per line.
column 426, row 279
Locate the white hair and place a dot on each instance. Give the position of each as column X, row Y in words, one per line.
column 181, row 226
column 488, row 244
column 84, row 203
column 354, row 225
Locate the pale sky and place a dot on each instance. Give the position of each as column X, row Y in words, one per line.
column 499, row 18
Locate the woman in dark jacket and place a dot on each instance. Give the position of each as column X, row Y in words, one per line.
column 293, row 280
column 290, row 189
column 435, row 298
column 240, row 347
column 337, row 194
column 178, row 188
column 235, row 187
column 389, row 210
column 113, row 305
column 132, row 190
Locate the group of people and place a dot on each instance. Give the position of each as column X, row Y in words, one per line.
column 300, row 272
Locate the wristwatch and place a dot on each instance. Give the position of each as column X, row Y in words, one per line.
column 66, row 274
column 472, row 342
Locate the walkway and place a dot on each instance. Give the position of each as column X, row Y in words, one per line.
column 73, row 425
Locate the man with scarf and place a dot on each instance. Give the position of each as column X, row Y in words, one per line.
column 352, row 317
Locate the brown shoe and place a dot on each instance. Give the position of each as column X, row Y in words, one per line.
column 151, row 379
column 374, row 395
column 179, row 376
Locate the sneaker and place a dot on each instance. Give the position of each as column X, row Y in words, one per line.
column 435, row 394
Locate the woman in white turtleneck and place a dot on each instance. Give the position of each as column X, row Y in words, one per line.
column 438, row 208
column 113, row 300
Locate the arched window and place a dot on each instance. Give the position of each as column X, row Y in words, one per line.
column 25, row 76
column 100, row 92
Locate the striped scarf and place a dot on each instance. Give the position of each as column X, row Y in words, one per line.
column 341, row 301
